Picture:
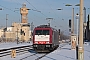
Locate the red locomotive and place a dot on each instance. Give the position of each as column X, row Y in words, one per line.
column 45, row 38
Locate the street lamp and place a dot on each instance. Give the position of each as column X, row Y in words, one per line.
column 72, row 22
column 77, row 5
column 59, row 9
column 72, row 26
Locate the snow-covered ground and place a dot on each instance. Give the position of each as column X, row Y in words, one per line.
column 26, row 56
column 64, row 53
column 12, row 44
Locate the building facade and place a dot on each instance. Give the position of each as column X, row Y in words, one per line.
column 22, row 31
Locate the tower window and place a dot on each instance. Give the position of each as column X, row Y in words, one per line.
column 24, row 34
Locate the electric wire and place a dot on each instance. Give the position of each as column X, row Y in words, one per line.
column 21, row 5
column 51, row 8
column 36, row 9
column 8, row 9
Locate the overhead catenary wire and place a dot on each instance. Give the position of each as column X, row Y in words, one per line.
column 36, row 8
column 51, row 8
column 19, row 2
column 54, row 13
column 17, row 9
column 8, row 9
column 30, row 9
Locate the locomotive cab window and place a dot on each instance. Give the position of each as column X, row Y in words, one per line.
column 45, row 32
column 38, row 32
column 42, row 32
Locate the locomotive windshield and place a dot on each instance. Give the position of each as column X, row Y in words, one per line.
column 42, row 32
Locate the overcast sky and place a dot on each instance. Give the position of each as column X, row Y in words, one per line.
column 48, row 9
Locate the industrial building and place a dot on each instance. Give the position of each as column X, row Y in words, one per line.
column 18, row 31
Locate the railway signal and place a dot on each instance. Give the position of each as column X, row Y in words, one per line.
column 69, row 23
column 59, row 31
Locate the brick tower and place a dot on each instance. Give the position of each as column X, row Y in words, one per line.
column 24, row 12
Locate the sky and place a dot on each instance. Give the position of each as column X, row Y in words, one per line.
column 48, row 9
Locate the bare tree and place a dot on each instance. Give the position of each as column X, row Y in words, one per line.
column 63, row 36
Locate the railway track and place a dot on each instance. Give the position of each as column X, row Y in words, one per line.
column 19, row 50
column 38, row 56
column 28, row 56
column 35, row 56
column 26, row 52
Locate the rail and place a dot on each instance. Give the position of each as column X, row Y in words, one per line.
column 19, row 50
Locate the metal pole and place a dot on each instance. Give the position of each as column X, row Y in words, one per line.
column 6, row 20
column 32, row 26
column 84, row 23
column 77, row 31
column 72, row 22
column 72, row 30
column 6, row 26
column 81, row 48
column 77, row 18
column 17, row 35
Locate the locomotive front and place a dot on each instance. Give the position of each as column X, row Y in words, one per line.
column 43, row 39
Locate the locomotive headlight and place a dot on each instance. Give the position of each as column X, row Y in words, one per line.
column 47, row 42
column 36, row 42
column 35, row 45
column 47, row 45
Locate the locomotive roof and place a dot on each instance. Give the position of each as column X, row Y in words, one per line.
column 43, row 26
column 46, row 26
